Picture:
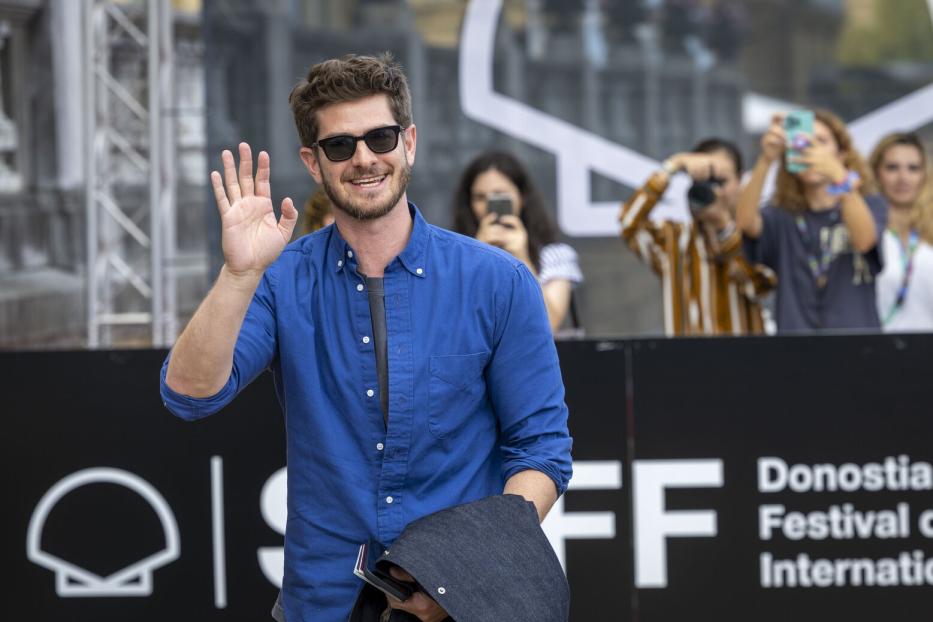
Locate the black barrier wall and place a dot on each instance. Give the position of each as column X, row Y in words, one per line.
column 715, row 479
column 810, row 458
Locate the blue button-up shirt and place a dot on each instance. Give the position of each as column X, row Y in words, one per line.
column 475, row 395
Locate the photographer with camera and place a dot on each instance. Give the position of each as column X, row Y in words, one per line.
column 708, row 287
column 821, row 230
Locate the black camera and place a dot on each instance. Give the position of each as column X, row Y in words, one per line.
column 702, row 194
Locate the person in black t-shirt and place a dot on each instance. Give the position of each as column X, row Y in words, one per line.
column 820, row 232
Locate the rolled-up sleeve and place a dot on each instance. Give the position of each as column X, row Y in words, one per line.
column 254, row 352
column 525, row 385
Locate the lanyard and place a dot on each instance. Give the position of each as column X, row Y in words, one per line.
column 819, row 267
column 907, row 261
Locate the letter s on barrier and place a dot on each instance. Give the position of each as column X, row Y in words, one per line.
column 274, row 505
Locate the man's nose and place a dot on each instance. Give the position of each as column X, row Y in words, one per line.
column 363, row 157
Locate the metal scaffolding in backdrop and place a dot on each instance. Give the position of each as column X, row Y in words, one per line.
column 130, row 148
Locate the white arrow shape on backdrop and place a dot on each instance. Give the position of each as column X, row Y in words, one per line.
column 578, row 151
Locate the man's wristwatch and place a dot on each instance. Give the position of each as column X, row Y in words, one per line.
column 669, row 168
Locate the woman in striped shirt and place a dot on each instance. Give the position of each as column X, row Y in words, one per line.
column 520, row 225
column 707, row 286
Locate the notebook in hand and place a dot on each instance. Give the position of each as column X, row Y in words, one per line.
column 379, row 579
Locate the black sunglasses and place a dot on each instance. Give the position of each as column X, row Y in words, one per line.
column 342, row 147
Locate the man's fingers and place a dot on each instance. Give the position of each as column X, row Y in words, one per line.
column 421, row 606
column 262, row 176
column 401, row 575
column 219, row 195
column 246, row 170
column 233, row 187
column 288, row 219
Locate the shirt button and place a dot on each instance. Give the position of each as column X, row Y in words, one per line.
column 419, row 271
column 340, row 263
column 349, row 253
column 365, row 339
column 389, row 499
column 370, row 392
column 441, row 590
column 359, row 287
column 380, row 446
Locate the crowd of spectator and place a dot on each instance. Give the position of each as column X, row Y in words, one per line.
column 840, row 243
column 843, row 243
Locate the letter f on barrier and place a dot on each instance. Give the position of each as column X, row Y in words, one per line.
column 560, row 525
column 653, row 525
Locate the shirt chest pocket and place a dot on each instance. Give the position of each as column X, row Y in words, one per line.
column 457, row 389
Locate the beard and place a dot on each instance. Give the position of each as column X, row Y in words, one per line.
column 363, row 209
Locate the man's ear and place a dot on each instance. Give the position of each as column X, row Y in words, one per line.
column 409, row 141
column 311, row 162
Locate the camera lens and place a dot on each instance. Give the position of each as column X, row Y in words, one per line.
column 701, row 195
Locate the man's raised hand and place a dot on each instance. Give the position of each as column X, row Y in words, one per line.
column 250, row 235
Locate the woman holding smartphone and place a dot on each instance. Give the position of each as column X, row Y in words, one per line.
column 496, row 202
column 820, row 232
column 905, row 286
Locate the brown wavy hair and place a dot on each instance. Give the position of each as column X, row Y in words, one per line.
column 317, row 208
column 789, row 190
column 346, row 79
column 921, row 212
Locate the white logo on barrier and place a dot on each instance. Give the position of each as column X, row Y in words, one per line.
column 579, row 151
column 273, row 502
column 560, row 526
column 654, row 524
column 72, row 580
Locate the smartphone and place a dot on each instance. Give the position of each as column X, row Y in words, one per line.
column 379, row 579
column 798, row 126
column 499, row 204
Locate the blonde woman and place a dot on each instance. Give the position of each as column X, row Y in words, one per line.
column 820, row 232
column 905, row 286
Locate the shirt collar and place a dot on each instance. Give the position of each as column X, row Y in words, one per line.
column 412, row 256
column 415, row 253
